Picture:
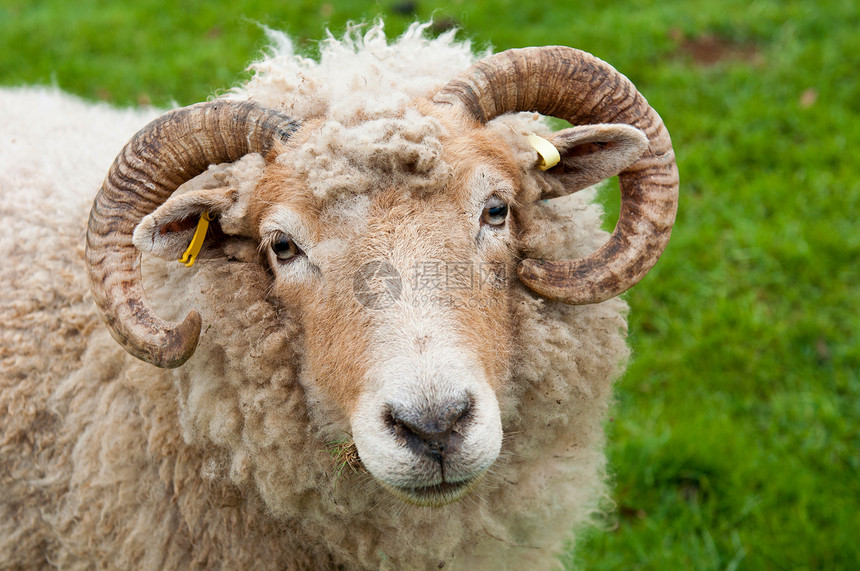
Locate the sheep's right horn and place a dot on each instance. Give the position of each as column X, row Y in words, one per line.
column 576, row 86
column 166, row 153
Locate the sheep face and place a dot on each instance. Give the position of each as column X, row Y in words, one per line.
column 403, row 293
column 392, row 236
column 394, row 242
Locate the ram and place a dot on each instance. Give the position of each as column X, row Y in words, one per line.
column 395, row 342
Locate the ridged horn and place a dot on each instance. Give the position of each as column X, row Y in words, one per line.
column 576, row 86
column 169, row 151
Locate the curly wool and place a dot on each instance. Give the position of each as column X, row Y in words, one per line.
column 344, row 160
column 225, row 462
column 361, row 87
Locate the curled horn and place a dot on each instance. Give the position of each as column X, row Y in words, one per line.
column 576, row 86
column 171, row 150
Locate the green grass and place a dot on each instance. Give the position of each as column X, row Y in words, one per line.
column 735, row 442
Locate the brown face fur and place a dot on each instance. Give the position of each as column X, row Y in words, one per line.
column 448, row 260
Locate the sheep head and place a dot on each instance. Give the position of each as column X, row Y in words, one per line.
column 416, row 373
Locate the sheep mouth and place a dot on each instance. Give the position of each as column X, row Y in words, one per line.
column 436, row 495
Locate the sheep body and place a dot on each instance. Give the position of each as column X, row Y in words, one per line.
column 226, row 462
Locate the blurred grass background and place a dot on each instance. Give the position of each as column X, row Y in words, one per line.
column 735, row 442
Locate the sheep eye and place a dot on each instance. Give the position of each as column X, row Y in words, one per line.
column 495, row 212
column 285, row 248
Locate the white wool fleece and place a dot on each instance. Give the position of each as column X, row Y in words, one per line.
column 108, row 462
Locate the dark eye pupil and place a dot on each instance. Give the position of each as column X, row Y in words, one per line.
column 495, row 212
column 281, row 245
column 284, row 247
column 498, row 211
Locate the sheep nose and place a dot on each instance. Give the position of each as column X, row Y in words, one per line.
column 434, row 430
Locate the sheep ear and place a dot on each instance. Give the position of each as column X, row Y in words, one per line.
column 224, row 192
column 591, row 153
column 168, row 231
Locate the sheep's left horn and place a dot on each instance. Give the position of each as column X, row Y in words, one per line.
column 576, row 86
column 171, row 150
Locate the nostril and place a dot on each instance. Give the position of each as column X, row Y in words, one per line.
column 433, row 429
column 432, row 422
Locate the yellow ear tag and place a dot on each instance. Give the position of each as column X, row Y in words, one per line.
column 548, row 155
column 190, row 255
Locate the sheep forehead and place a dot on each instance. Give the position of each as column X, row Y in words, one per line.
column 391, row 219
column 333, row 171
column 360, row 155
column 388, row 224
